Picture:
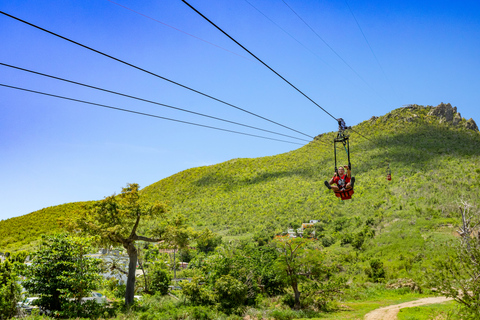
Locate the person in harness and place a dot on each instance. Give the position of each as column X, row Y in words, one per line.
column 344, row 183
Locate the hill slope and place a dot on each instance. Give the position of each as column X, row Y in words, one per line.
column 23, row 232
column 434, row 156
column 427, row 159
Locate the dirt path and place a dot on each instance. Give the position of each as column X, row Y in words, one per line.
column 390, row 312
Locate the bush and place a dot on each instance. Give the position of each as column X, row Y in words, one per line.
column 159, row 279
column 288, row 300
column 327, row 241
column 376, row 272
column 85, row 309
column 323, row 294
column 197, row 293
column 61, row 271
column 9, row 290
column 231, row 293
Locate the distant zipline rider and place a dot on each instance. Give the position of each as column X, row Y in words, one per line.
column 344, row 182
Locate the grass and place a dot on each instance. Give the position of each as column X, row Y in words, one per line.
column 411, row 216
column 439, row 311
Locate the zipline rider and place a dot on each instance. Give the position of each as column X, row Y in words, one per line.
column 344, row 182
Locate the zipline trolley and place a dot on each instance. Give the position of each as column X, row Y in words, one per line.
column 344, row 193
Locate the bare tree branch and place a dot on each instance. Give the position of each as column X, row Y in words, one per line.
column 115, row 267
column 142, row 238
column 134, row 230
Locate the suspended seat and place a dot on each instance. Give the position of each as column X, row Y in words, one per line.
column 345, row 194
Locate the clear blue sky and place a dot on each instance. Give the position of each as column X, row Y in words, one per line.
column 54, row 151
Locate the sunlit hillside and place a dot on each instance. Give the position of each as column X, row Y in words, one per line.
column 434, row 157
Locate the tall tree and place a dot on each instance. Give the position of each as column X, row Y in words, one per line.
column 297, row 263
column 115, row 221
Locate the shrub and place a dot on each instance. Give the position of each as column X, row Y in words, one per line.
column 197, row 292
column 231, row 293
column 160, row 279
column 9, row 290
column 376, row 272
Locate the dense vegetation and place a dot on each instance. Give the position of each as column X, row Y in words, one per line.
column 390, row 230
column 25, row 231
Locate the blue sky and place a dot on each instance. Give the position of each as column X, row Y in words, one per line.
column 54, row 151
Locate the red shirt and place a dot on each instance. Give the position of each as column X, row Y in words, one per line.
column 341, row 181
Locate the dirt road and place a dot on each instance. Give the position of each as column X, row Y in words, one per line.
column 390, row 312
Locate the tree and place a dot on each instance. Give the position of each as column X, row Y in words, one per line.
column 116, row 220
column 458, row 275
column 9, row 290
column 61, row 272
column 175, row 234
column 207, row 241
column 297, row 263
column 230, row 293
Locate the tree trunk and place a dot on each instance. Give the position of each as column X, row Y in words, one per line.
column 132, row 267
column 297, row 296
column 174, row 267
column 144, row 276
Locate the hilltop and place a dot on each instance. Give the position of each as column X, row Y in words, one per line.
column 434, row 155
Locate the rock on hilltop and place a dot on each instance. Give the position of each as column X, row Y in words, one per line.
column 449, row 114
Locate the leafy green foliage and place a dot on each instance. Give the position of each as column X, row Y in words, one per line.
column 159, row 278
column 231, row 293
column 116, row 220
column 9, row 289
column 297, row 263
column 458, row 275
column 196, row 291
column 376, row 272
column 207, row 241
column 24, row 232
column 409, row 218
column 61, row 275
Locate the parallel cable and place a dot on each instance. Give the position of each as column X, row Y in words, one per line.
column 179, row 30
column 361, row 135
column 266, row 65
column 335, row 52
column 285, row 31
column 149, row 72
column 145, row 100
column 142, row 113
column 299, row 42
column 371, row 49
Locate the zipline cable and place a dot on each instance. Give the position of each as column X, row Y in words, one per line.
column 179, row 30
column 335, row 52
column 145, row 100
column 361, row 135
column 142, row 113
column 266, row 65
column 371, row 49
column 299, row 42
column 149, row 72
column 286, row 32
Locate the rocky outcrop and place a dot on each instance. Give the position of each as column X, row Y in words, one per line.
column 471, row 125
column 444, row 112
column 447, row 113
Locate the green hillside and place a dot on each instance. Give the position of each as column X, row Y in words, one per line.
column 245, row 196
column 22, row 233
column 434, row 156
